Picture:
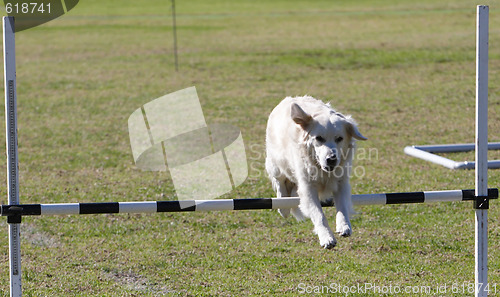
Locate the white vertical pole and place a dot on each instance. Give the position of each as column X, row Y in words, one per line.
column 9, row 55
column 174, row 26
column 481, row 204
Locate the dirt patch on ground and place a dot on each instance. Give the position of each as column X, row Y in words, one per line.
column 137, row 282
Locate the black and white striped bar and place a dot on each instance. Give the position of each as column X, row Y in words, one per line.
column 229, row 204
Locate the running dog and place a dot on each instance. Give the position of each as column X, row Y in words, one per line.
column 309, row 149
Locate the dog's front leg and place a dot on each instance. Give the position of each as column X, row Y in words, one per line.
column 343, row 206
column 311, row 207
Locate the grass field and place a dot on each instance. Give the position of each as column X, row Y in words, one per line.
column 404, row 69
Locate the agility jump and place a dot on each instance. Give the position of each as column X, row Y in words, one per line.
column 480, row 196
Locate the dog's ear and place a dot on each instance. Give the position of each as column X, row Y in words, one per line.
column 352, row 129
column 299, row 116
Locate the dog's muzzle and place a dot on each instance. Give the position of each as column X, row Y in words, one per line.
column 331, row 163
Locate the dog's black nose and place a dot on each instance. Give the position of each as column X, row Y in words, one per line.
column 332, row 161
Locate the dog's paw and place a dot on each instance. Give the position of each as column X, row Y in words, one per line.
column 344, row 230
column 328, row 242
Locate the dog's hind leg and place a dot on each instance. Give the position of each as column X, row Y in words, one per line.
column 296, row 211
column 281, row 191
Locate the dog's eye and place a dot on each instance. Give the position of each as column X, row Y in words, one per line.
column 339, row 139
column 320, row 139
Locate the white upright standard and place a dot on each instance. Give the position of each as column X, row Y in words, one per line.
column 481, row 205
column 9, row 55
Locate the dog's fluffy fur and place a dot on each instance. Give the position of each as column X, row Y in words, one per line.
column 309, row 150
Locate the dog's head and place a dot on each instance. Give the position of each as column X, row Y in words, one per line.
column 329, row 134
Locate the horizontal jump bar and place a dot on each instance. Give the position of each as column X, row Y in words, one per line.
column 427, row 153
column 229, row 204
column 454, row 148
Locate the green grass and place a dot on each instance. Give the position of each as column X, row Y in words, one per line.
column 404, row 70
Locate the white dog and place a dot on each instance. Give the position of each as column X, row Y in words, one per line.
column 309, row 150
